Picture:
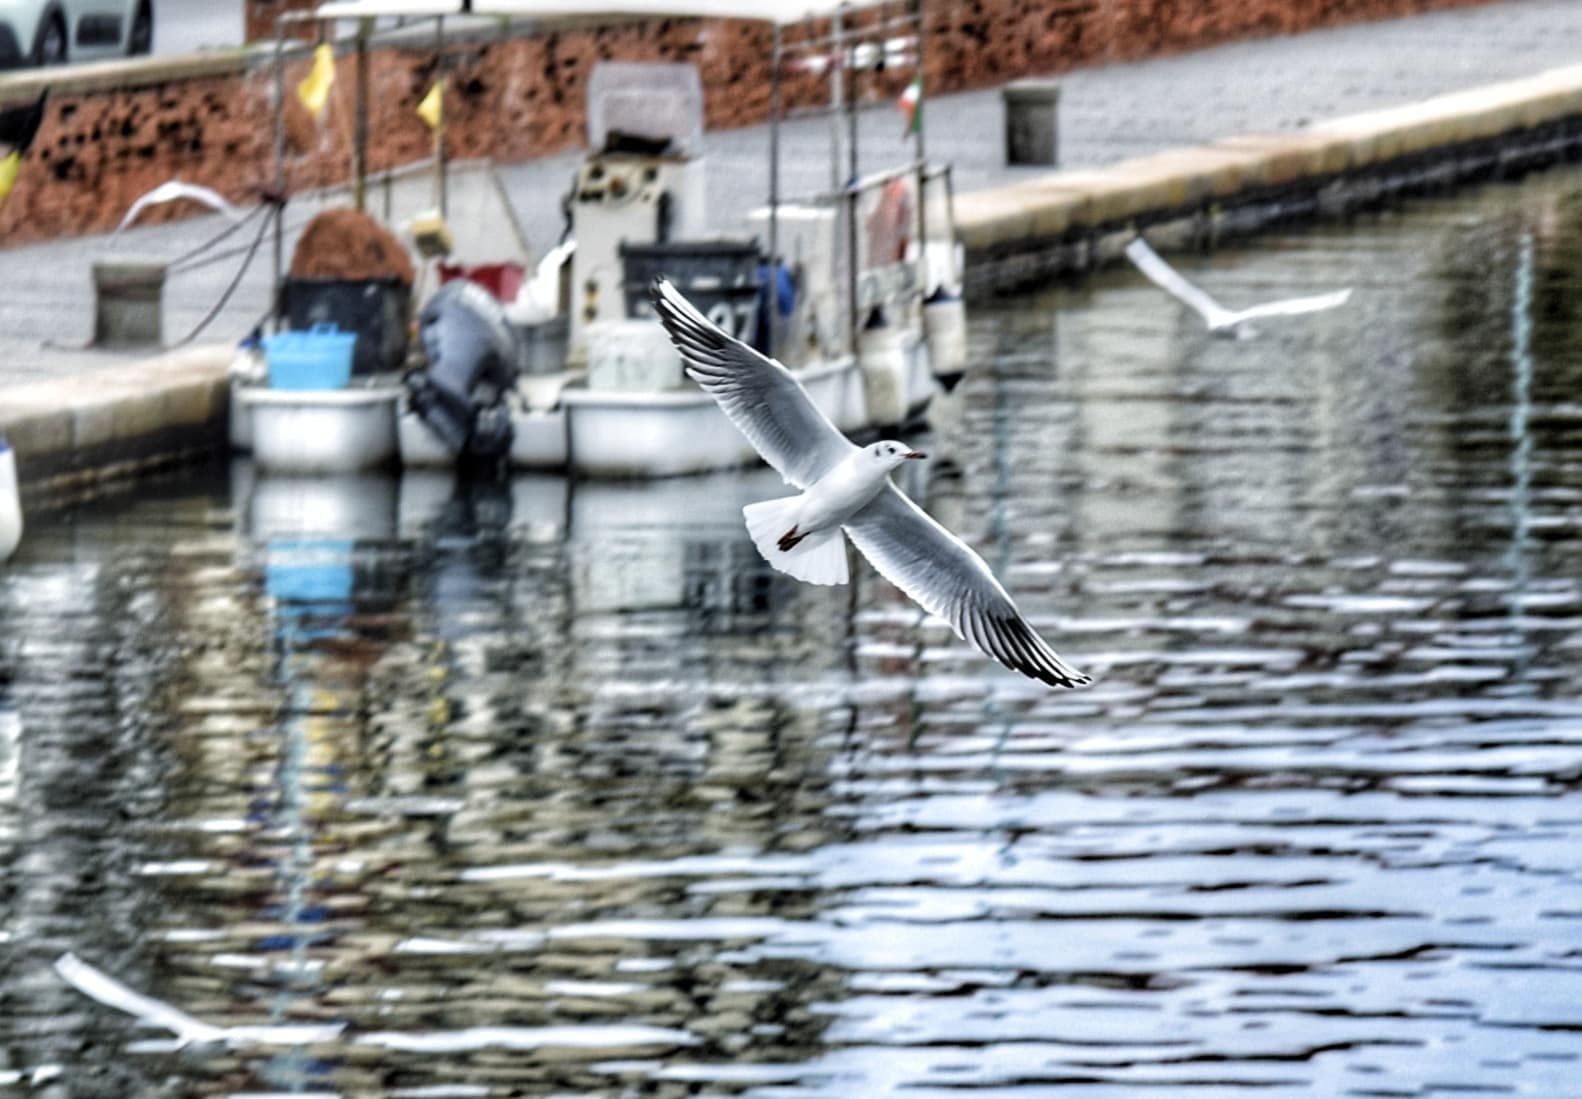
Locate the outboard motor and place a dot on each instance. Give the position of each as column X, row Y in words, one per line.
column 472, row 357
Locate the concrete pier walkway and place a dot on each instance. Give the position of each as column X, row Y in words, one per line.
column 1272, row 109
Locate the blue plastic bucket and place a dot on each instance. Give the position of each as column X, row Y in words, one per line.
column 320, row 358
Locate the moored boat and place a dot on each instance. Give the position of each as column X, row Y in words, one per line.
column 839, row 286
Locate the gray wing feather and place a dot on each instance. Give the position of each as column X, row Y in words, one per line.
column 946, row 578
column 760, row 396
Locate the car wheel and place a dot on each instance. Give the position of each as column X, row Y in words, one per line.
column 141, row 39
column 49, row 48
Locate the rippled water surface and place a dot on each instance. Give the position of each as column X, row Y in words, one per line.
column 550, row 790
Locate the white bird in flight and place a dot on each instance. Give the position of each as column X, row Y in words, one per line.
column 174, row 189
column 1221, row 321
column 847, row 488
column 100, row 986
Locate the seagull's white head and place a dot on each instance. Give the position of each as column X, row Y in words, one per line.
column 889, row 453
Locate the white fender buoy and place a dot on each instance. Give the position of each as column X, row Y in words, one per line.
column 945, row 324
column 10, row 502
column 881, row 353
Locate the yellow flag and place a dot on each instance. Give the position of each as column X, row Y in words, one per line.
column 314, row 91
column 10, row 164
column 432, row 109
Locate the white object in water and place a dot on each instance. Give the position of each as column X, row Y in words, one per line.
column 174, row 189
column 847, row 488
column 1219, row 319
column 107, row 990
column 10, row 502
column 100, row 986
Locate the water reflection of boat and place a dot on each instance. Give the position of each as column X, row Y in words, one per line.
column 855, row 289
column 626, row 545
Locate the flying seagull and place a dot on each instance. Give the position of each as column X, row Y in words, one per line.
column 847, row 488
column 1221, row 321
column 174, row 189
column 99, row 985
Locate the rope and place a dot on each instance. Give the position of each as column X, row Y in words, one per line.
column 177, row 265
column 236, row 281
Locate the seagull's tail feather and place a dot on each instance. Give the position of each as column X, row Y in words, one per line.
column 818, row 558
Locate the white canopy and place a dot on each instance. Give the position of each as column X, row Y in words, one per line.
column 549, row 11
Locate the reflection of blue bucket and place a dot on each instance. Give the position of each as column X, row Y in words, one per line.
column 310, row 575
column 320, row 358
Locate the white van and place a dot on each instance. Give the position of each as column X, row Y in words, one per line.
column 52, row 32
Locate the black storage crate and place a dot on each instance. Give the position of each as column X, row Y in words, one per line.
column 378, row 310
column 720, row 277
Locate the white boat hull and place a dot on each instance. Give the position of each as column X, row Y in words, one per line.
column 593, row 433
column 321, row 431
column 619, row 434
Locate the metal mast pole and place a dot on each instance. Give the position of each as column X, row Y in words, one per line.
column 836, row 97
column 360, row 128
column 774, row 191
column 441, row 189
column 919, row 153
column 280, row 163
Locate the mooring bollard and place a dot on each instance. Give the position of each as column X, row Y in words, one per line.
column 1031, row 122
column 127, row 303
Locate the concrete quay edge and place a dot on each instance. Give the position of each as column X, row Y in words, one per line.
column 74, row 431
column 1060, row 213
column 104, row 422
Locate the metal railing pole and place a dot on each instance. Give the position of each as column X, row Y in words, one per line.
column 773, row 289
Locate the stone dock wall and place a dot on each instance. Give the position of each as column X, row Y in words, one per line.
column 1066, row 221
column 112, row 131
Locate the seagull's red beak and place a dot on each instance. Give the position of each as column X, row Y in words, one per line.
column 914, row 454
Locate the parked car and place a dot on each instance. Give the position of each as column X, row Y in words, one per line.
column 52, row 32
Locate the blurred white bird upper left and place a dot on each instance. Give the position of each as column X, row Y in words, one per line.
column 173, row 190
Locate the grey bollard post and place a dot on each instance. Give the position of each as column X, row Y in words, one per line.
column 1031, row 122
column 127, row 297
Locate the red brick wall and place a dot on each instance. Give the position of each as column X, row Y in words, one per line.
column 521, row 97
column 260, row 16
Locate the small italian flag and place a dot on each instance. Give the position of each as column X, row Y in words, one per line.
column 911, row 104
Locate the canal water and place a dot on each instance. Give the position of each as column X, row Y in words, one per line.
column 556, row 790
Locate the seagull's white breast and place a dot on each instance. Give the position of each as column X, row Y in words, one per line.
column 842, row 492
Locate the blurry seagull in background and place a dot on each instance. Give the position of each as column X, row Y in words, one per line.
column 10, row 501
column 171, row 191
column 188, row 1031
column 1221, row 321
column 847, row 488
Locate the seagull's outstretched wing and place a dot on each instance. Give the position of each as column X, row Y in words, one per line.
column 99, row 985
column 759, row 395
column 1164, row 276
column 112, row 993
column 174, row 189
column 1292, row 306
column 944, row 575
